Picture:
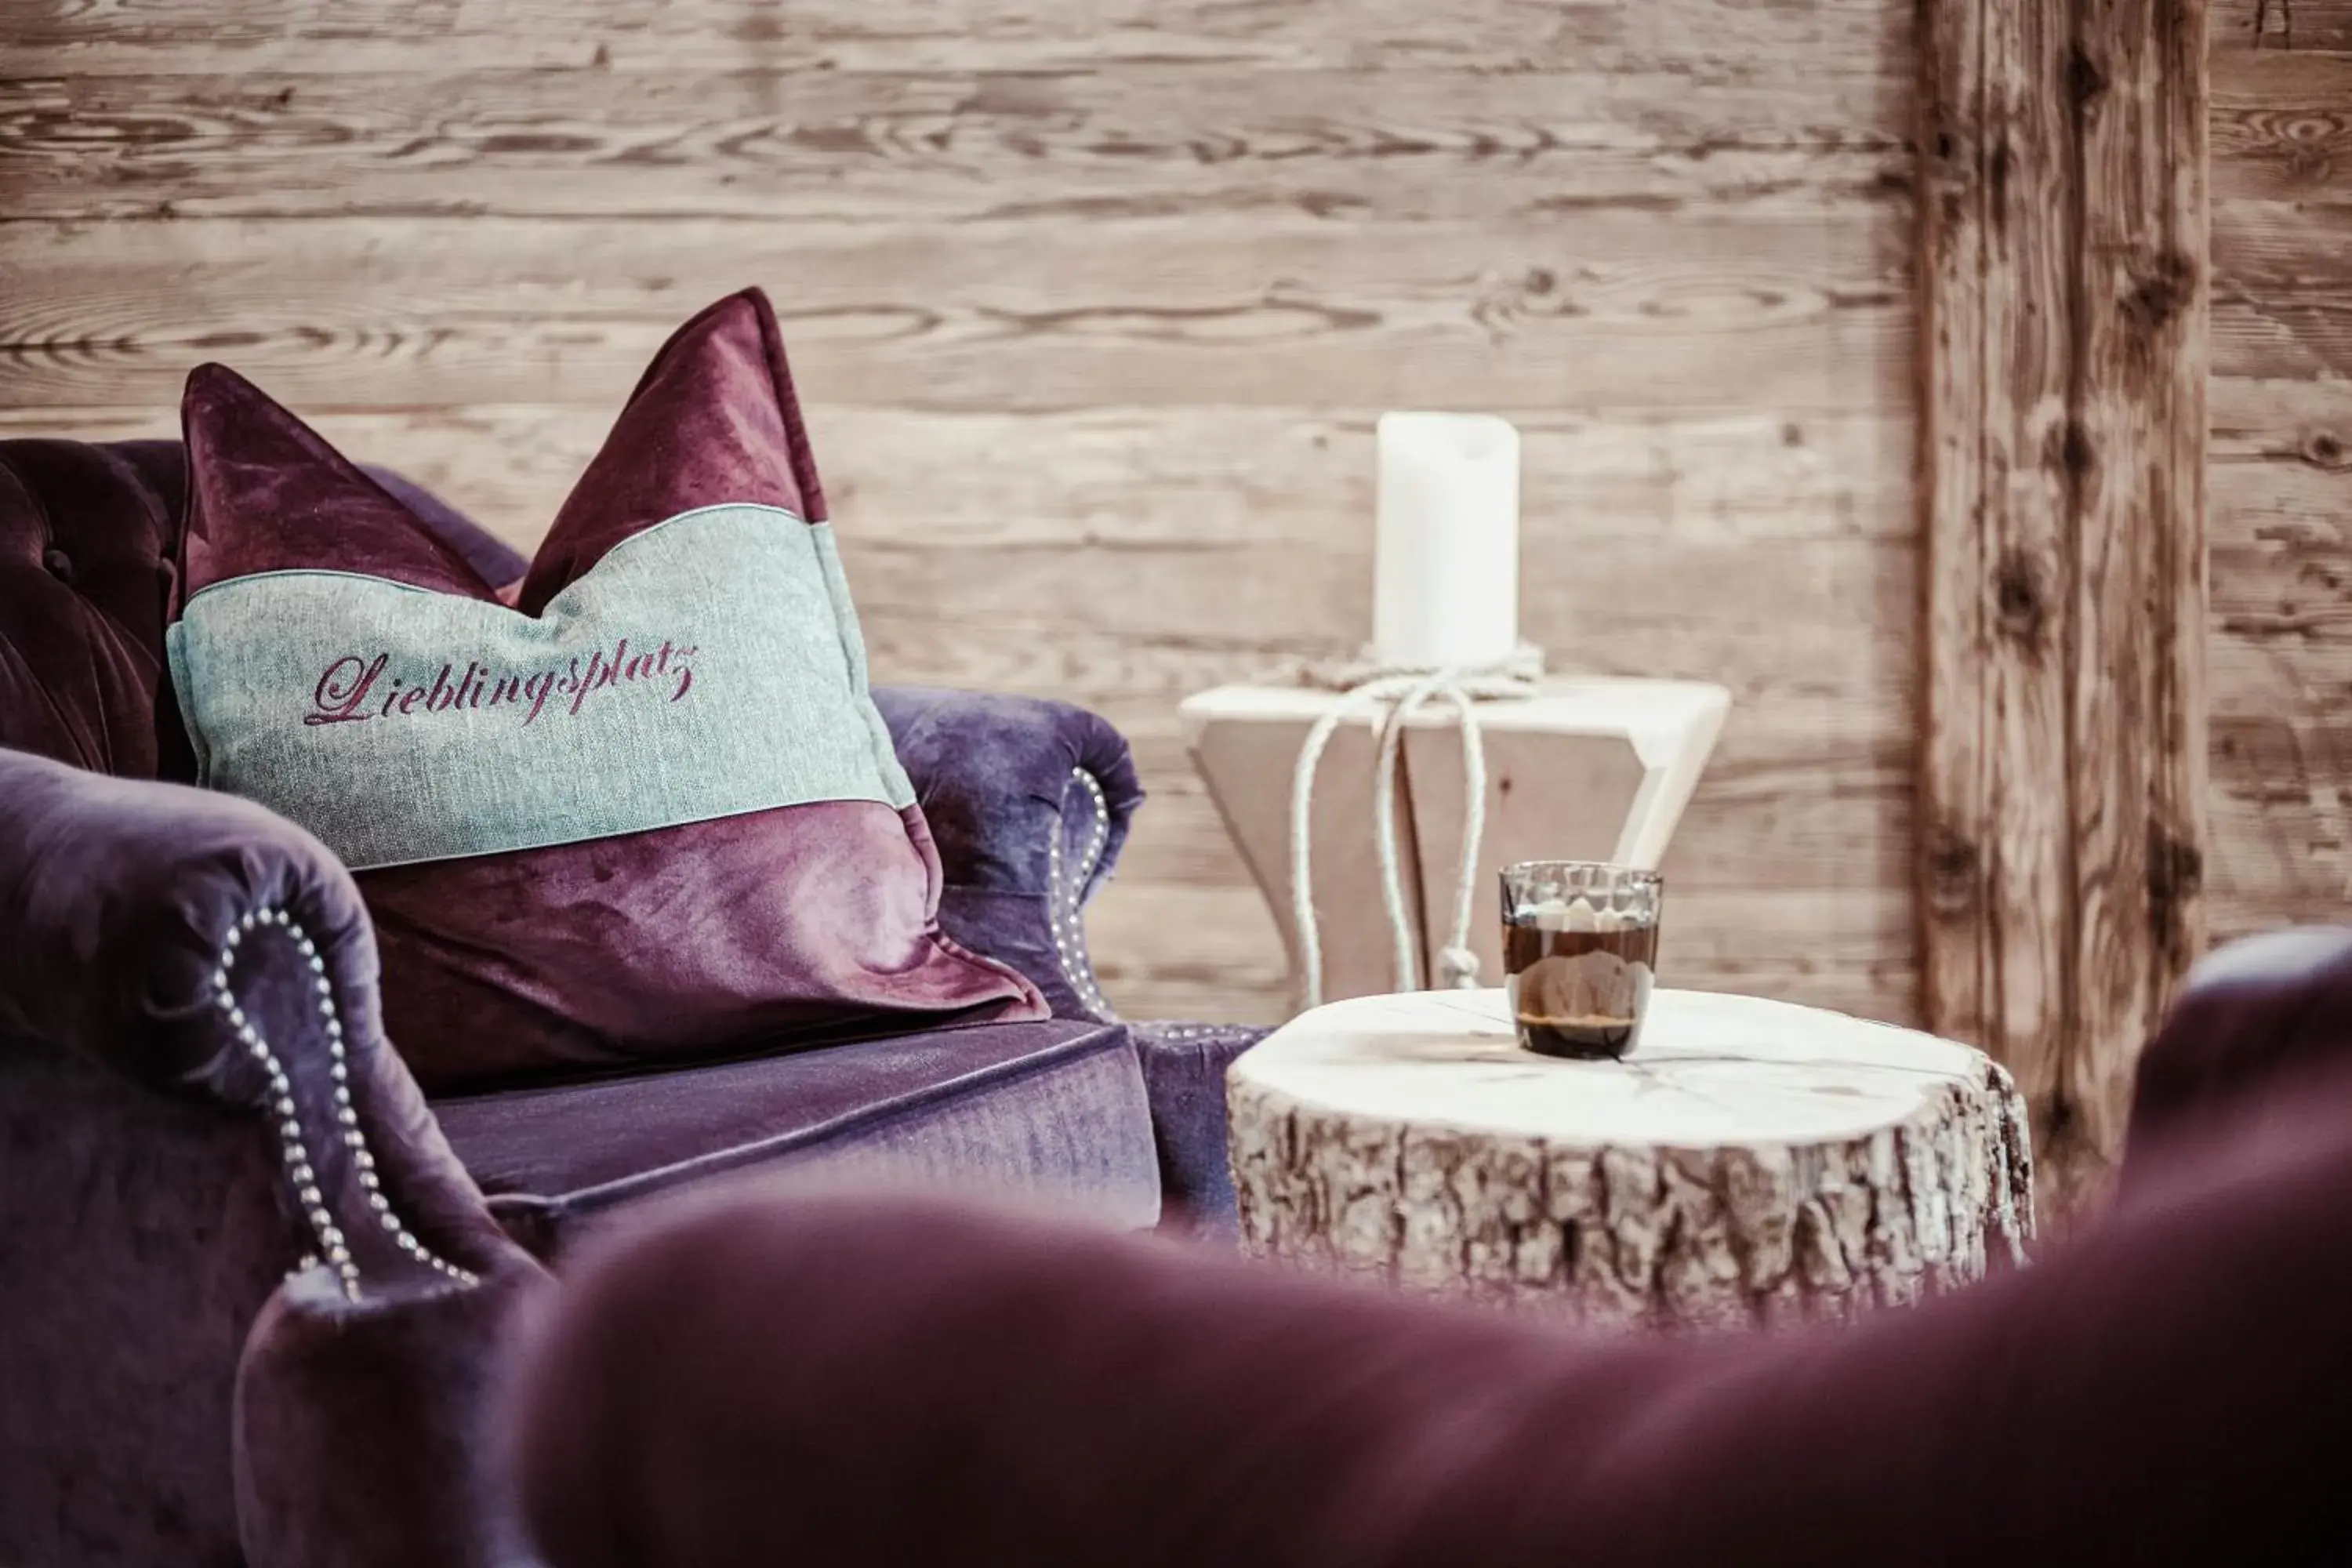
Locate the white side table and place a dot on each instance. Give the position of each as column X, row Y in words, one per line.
column 1753, row 1161
column 1596, row 769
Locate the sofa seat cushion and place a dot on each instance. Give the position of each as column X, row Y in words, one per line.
column 1051, row 1109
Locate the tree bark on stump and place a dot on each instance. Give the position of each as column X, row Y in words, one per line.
column 1645, row 1231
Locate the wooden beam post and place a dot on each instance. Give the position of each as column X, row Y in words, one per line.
column 2063, row 276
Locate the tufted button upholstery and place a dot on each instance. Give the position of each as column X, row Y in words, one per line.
column 89, row 535
column 85, row 580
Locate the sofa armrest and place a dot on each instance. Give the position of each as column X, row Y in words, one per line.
column 189, row 948
column 2163, row 1387
column 199, row 945
column 1029, row 801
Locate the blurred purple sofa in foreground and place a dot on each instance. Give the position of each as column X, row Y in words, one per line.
column 180, row 1381
column 882, row 1382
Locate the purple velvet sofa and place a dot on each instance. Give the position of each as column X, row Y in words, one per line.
column 882, row 1382
column 180, row 1384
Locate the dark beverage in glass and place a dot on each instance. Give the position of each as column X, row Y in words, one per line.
column 1580, row 954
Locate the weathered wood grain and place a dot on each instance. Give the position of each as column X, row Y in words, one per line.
column 2281, row 289
column 1751, row 550
column 2281, row 740
column 1791, row 639
column 2063, row 783
column 2137, row 728
column 1810, row 819
column 1165, row 951
column 2271, row 680
column 2280, row 658
column 1807, row 844
column 2279, row 524
column 1807, row 799
column 1148, row 141
column 1114, row 477
column 2281, row 127
column 1620, row 309
column 2299, row 421
column 2276, row 339
column 1995, row 876
column 2280, row 249
column 1798, row 704
column 1815, row 819
column 2281, row 818
column 1709, row 39
column 2244, row 26
column 1186, row 951
column 1093, row 303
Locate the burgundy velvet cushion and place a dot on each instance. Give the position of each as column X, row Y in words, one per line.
column 894, row 1383
column 791, row 926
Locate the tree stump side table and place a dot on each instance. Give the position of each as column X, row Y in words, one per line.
column 1753, row 1161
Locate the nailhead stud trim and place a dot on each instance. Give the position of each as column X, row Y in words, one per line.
column 301, row 1174
column 1063, row 913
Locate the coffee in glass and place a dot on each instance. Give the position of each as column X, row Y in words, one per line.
column 1580, row 954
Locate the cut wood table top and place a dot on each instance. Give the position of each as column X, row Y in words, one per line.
column 1753, row 1160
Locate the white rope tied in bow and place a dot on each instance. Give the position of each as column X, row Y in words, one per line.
column 1408, row 690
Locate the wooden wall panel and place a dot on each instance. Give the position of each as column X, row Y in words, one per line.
column 1093, row 304
column 2282, row 25
column 2062, row 763
column 2281, row 471
column 1696, row 39
column 2138, row 732
column 1148, row 139
column 1739, row 310
column 1996, row 884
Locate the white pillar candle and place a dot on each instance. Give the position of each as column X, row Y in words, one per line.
column 1445, row 586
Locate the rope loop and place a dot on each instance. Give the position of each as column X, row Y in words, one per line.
column 1364, row 684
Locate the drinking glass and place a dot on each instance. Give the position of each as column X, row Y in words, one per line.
column 1580, row 953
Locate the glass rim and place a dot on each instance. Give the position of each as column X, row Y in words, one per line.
column 1641, row 876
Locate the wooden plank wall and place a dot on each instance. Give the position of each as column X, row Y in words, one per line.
column 2062, row 779
column 2281, row 666
column 1094, row 302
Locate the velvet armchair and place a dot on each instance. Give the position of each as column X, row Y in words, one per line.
column 252, row 1279
column 887, row 1381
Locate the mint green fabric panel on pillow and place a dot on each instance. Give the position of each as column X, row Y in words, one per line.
column 706, row 666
